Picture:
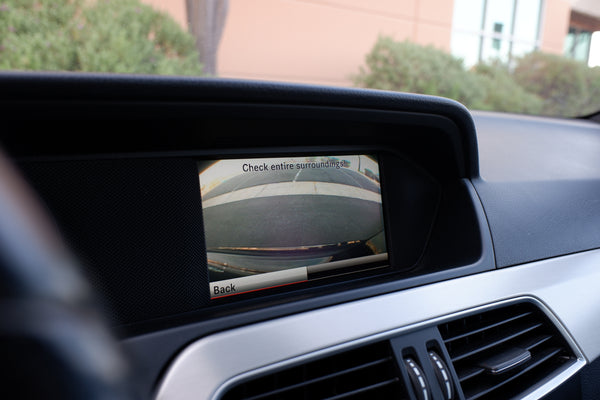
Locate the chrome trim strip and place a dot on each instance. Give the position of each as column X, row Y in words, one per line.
column 207, row 367
column 539, row 392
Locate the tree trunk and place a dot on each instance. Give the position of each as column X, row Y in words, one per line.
column 206, row 21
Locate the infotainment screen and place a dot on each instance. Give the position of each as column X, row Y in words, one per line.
column 271, row 222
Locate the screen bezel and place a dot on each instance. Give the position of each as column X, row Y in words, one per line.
column 359, row 271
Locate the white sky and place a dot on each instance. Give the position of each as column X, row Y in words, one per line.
column 594, row 59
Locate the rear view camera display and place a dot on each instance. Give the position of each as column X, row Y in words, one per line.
column 271, row 222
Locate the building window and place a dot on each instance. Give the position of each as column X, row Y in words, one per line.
column 486, row 30
column 577, row 44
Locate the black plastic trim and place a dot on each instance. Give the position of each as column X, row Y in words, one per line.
column 539, row 185
column 70, row 87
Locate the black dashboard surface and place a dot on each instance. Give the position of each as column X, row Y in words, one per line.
column 537, row 178
column 540, row 196
column 538, row 175
column 539, row 185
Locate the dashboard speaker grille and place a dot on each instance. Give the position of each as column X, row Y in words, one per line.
column 504, row 352
column 365, row 372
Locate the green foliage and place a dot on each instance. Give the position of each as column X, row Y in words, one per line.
column 408, row 67
column 538, row 84
column 568, row 87
column 122, row 36
column 502, row 93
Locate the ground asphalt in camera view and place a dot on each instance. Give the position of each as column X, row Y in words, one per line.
column 291, row 209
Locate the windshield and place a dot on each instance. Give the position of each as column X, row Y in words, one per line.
column 522, row 56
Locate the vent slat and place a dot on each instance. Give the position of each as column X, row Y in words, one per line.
column 363, row 390
column 495, row 334
column 535, row 341
column 492, row 341
column 366, row 371
column 487, row 327
column 468, row 373
column 535, row 362
column 320, row 379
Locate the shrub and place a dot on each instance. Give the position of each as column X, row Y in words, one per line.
column 568, row 87
column 103, row 36
column 502, row 93
column 538, row 84
column 408, row 67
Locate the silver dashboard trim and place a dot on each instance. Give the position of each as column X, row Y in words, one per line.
column 564, row 287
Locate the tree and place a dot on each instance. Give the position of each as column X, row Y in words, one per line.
column 122, row 36
column 409, row 67
column 568, row 87
column 537, row 84
column 206, row 19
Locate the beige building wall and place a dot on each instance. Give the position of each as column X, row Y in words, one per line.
column 326, row 41
column 555, row 25
column 322, row 41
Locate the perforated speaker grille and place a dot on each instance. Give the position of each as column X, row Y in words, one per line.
column 136, row 225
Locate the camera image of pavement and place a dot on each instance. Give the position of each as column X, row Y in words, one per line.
column 341, row 175
column 291, row 209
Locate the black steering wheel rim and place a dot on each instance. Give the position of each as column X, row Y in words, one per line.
column 54, row 342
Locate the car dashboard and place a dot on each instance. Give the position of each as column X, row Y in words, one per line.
column 256, row 240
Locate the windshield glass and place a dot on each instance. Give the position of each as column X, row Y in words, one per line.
column 522, row 56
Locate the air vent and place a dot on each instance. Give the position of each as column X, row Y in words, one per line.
column 369, row 372
column 502, row 353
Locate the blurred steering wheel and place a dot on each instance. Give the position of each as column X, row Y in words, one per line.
column 54, row 344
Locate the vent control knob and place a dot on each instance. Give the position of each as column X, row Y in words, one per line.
column 442, row 373
column 417, row 379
